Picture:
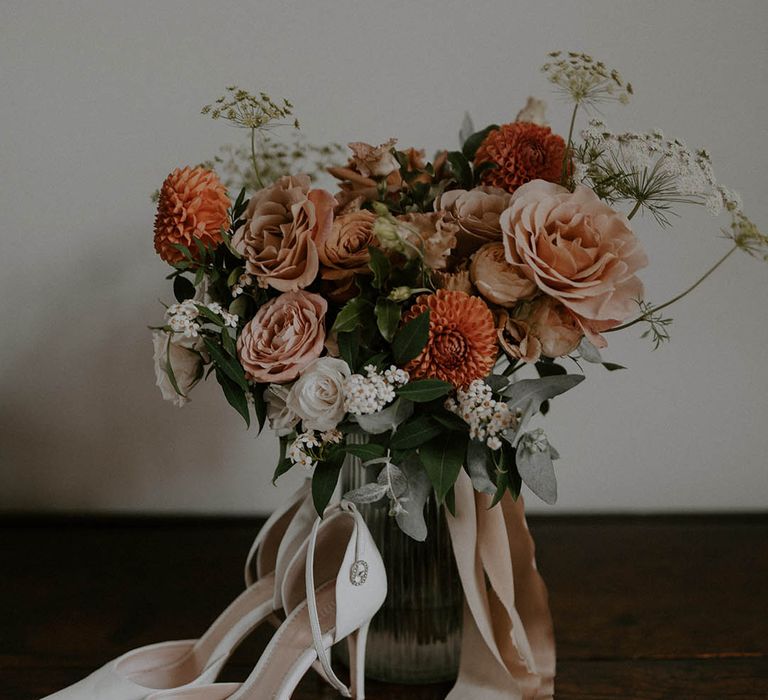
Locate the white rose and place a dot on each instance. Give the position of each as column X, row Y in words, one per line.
column 186, row 362
column 281, row 418
column 317, row 397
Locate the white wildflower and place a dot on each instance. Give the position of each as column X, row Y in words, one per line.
column 487, row 418
column 369, row 393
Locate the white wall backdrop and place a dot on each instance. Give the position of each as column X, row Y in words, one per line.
column 100, row 100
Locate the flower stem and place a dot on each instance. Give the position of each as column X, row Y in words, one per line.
column 567, row 154
column 635, row 209
column 254, row 160
column 656, row 309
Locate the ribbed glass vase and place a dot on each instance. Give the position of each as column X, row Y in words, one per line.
column 416, row 636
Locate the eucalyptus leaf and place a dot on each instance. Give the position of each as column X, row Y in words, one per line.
column 478, row 464
column 538, row 473
column 392, row 477
column 588, row 352
column 411, row 521
column 368, row 493
column 386, row 419
column 520, row 393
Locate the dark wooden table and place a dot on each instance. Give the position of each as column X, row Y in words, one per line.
column 644, row 608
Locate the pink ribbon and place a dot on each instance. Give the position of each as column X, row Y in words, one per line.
column 508, row 643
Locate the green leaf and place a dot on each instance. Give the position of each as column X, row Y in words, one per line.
column 228, row 343
column 387, row 318
column 469, row 149
column 349, row 348
column 550, row 369
column 183, row 250
column 352, row 315
column 234, row 276
column 367, row 451
column 411, row 339
column 169, row 367
column 212, row 317
column 502, row 483
column 461, row 169
column 450, row 421
column 325, row 479
column 235, row 396
column 442, row 460
column 183, row 289
column 229, row 365
column 241, row 306
column 380, row 266
column 260, row 404
column 450, row 501
column 414, row 433
column 612, row 366
column 284, row 464
column 423, row 390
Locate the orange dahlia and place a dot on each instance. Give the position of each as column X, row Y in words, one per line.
column 520, row 152
column 462, row 338
column 193, row 205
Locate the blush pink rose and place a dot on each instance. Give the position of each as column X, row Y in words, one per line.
column 279, row 237
column 284, row 336
column 577, row 250
column 497, row 280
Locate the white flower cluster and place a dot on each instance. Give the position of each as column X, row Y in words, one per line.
column 487, row 418
column 184, row 317
column 690, row 170
column 369, row 393
column 304, row 450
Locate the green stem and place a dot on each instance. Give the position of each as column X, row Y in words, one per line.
column 254, row 159
column 637, row 206
column 567, row 154
column 656, row 309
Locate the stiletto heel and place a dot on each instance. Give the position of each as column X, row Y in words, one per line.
column 190, row 663
column 333, row 587
column 356, row 643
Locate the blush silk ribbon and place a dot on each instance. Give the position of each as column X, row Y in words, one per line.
column 508, row 643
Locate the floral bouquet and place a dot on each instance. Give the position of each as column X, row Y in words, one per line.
column 418, row 318
column 404, row 307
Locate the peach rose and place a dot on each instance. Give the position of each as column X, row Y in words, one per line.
column 477, row 213
column 545, row 328
column 496, row 279
column 278, row 239
column 577, row 250
column 284, row 336
column 343, row 248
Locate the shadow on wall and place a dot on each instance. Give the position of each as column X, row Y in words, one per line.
column 83, row 426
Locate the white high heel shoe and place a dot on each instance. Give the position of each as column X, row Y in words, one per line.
column 333, row 587
column 187, row 663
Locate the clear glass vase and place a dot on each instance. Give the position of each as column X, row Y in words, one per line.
column 416, row 636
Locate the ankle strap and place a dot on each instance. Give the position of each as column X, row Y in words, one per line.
column 314, row 618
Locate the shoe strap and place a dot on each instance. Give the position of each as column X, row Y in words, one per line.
column 268, row 530
column 314, row 618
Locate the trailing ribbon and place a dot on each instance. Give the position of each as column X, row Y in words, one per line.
column 508, row 643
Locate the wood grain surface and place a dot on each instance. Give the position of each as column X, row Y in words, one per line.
column 644, row 607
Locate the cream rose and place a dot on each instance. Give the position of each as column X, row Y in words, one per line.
column 497, row 280
column 281, row 418
column 284, row 336
column 186, row 361
column 577, row 250
column 477, row 213
column 317, row 397
column 278, row 238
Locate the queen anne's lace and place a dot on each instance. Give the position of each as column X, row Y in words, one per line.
column 487, row 418
column 305, row 450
